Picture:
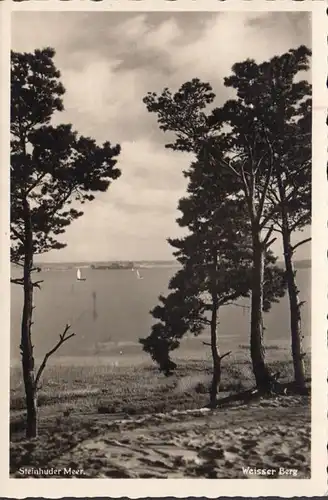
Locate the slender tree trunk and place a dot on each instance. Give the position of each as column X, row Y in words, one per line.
column 295, row 318
column 261, row 371
column 295, row 313
column 216, row 377
column 26, row 342
column 294, row 304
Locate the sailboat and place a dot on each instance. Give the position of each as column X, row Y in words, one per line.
column 138, row 275
column 79, row 275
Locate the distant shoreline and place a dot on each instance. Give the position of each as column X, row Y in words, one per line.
column 128, row 265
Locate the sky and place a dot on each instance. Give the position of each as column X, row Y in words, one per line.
column 108, row 62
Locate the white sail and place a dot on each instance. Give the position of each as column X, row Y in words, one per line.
column 78, row 274
column 138, row 275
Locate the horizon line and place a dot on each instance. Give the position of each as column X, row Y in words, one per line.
column 134, row 260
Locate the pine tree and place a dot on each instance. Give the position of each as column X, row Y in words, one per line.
column 275, row 106
column 216, row 260
column 250, row 137
column 52, row 168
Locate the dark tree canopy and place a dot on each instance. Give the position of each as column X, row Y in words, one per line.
column 220, row 234
column 261, row 139
column 183, row 113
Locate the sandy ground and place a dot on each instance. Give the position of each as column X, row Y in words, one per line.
column 267, row 434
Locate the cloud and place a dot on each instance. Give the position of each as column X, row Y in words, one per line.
column 109, row 61
column 137, row 214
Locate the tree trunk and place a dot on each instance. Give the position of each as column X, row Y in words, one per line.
column 216, row 376
column 295, row 314
column 294, row 304
column 261, row 371
column 26, row 342
column 295, row 321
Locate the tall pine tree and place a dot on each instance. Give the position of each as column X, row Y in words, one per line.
column 271, row 133
column 52, row 167
column 247, row 137
column 216, row 260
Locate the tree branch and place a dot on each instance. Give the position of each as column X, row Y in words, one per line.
column 273, row 195
column 306, row 240
column 228, row 165
column 270, row 242
column 20, row 264
column 17, row 281
column 37, row 284
column 62, row 338
column 225, row 354
column 246, row 186
column 235, row 305
column 266, row 239
column 259, row 163
column 299, row 222
column 27, row 192
column 276, row 209
column 267, row 180
column 275, row 230
column 16, row 233
column 38, row 269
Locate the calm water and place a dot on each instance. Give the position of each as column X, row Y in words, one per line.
column 109, row 312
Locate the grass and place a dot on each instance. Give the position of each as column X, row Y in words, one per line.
column 270, row 347
column 139, row 389
column 78, row 402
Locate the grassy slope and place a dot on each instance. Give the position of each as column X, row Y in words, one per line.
column 78, row 402
column 141, row 388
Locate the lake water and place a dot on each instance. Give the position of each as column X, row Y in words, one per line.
column 109, row 312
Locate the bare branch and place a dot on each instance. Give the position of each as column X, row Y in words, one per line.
column 38, row 269
column 225, row 354
column 270, row 242
column 20, row 264
column 37, row 284
column 302, row 242
column 17, row 281
column 62, row 338
column 267, row 237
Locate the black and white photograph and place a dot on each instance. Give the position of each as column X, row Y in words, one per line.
column 161, row 186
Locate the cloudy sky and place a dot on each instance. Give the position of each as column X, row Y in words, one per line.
column 109, row 61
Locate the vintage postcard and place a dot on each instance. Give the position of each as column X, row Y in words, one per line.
column 164, row 246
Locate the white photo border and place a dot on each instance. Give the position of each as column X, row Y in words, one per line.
column 182, row 488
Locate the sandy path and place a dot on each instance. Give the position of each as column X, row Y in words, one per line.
column 267, row 434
